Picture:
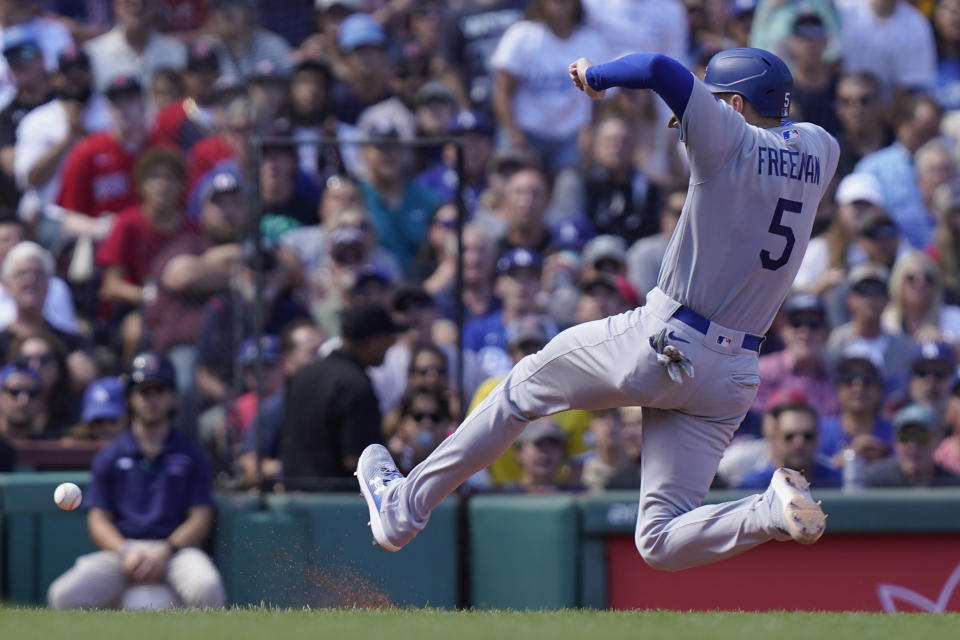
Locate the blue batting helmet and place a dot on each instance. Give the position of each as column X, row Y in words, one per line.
column 757, row 75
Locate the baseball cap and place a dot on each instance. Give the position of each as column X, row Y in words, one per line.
column 122, row 86
column 360, row 30
column 528, row 329
column 856, row 354
column 389, row 119
column 931, row 351
column 103, row 400
column 467, row 121
column 366, row 320
column 861, row 187
column 809, row 24
column 740, row 8
column 916, row 415
column 220, row 183
column 542, row 429
column 20, row 43
column 804, row 303
column 150, row 366
column 877, row 225
column 868, row 272
column 572, row 233
column 202, row 56
column 605, row 247
column 519, row 259
column 269, row 348
column 371, row 273
column 787, row 396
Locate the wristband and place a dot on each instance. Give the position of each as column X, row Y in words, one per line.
column 124, row 549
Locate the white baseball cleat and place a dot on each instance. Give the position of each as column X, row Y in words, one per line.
column 375, row 472
column 793, row 509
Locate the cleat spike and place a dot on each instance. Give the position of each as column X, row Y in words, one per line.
column 368, row 523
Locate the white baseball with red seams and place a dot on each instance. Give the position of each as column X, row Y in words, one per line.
column 68, row 496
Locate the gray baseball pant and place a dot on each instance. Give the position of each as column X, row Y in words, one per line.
column 686, row 427
column 97, row 580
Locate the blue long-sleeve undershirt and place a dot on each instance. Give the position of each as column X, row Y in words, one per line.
column 671, row 80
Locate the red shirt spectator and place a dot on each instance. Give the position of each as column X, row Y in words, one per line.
column 184, row 123
column 134, row 242
column 98, row 176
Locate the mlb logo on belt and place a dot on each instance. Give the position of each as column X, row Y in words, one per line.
column 791, row 135
column 724, row 340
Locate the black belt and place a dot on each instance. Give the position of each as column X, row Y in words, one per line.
column 696, row 321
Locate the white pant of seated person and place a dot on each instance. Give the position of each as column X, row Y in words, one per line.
column 97, row 580
column 686, row 428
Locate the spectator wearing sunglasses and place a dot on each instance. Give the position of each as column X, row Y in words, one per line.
column 866, row 298
column 790, row 428
column 425, row 421
column 21, row 391
column 802, row 363
column 859, row 425
column 916, row 306
column 43, row 353
column 917, row 433
column 931, row 373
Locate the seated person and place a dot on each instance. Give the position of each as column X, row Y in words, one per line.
column 609, row 451
column 22, row 415
column 150, row 506
column 918, row 433
column 790, row 428
column 859, row 425
column 104, row 411
column 539, row 451
column 425, row 421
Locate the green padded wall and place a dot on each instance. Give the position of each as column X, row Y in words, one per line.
column 524, row 551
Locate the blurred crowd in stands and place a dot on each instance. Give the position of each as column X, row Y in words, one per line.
column 132, row 196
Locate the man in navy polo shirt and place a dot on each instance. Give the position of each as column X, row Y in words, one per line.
column 150, row 506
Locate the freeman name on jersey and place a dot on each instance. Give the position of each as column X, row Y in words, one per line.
column 785, row 163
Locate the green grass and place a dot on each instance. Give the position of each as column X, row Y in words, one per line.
column 426, row 624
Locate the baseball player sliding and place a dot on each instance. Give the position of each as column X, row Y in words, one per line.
column 689, row 355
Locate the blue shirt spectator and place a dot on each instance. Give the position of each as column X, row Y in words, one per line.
column 149, row 498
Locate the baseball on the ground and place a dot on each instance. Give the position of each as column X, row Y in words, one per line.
column 68, row 496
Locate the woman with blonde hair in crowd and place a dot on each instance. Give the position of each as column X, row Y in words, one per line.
column 916, row 305
column 945, row 248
